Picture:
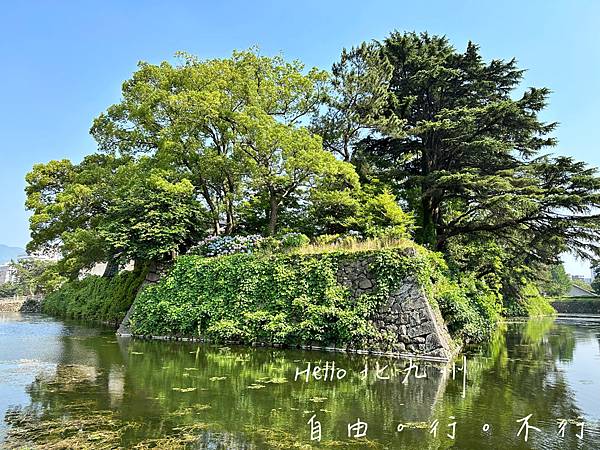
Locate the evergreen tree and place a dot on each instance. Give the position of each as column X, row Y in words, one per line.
column 469, row 156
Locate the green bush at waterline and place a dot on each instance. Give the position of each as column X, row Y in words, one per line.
column 94, row 298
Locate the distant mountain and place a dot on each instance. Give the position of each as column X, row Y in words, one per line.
column 7, row 253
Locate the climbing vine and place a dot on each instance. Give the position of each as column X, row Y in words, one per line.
column 280, row 298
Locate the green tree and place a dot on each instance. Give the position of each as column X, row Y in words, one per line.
column 596, row 280
column 68, row 203
column 355, row 103
column 111, row 209
column 233, row 126
column 370, row 210
column 8, row 290
column 154, row 214
column 283, row 161
column 467, row 157
column 554, row 281
column 36, row 276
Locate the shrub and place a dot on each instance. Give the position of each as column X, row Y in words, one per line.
column 293, row 240
column 469, row 307
column 390, row 233
column 95, row 298
column 226, row 245
column 269, row 244
column 326, row 239
column 528, row 302
column 8, row 289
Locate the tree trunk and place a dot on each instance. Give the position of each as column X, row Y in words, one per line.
column 229, row 227
column 427, row 232
column 273, row 212
column 212, row 207
column 428, row 235
column 112, row 268
column 138, row 264
column 230, row 218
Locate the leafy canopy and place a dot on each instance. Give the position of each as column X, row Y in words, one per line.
column 234, row 127
column 468, row 155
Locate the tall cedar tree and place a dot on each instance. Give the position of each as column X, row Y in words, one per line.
column 468, row 155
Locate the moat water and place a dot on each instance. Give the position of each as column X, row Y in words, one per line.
column 70, row 385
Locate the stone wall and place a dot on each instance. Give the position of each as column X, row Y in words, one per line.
column 580, row 306
column 28, row 304
column 408, row 323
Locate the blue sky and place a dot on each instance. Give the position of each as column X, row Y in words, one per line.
column 62, row 63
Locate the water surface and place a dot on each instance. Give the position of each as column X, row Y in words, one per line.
column 68, row 385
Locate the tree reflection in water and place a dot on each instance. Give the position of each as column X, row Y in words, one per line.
column 109, row 393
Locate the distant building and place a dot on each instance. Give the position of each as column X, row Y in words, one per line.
column 577, row 291
column 99, row 268
column 581, row 278
column 7, row 274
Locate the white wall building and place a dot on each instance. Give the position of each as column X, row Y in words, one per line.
column 7, row 274
column 577, row 291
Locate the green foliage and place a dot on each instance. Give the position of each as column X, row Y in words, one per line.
column 596, row 279
column 596, row 285
column 94, row 298
column 218, row 144
column 336, row 209
column 229, row 245
column 468, row 154
column 295, row 298
column 293, row 240
column 234, row 127
column 111, row 208
column 153, row 216
column 35, row 276
column 269, row 244
column 68, row 201
column 469, row 306
column 529, row 303
column 408, row 137
column 327, row 239
column 356, row 100
column 8, row 290
column 277, row 298
column 554, row 281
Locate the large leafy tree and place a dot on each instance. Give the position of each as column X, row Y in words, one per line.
column 154, row 214
column 468, row 155
column 234, row 126
column 68, row 204
column 191, row 148
column 110, row 209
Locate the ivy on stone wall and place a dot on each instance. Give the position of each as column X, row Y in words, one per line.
column 280, row 298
